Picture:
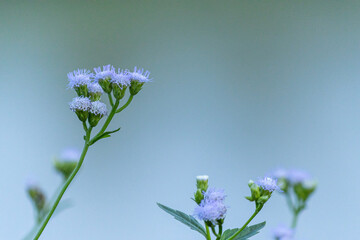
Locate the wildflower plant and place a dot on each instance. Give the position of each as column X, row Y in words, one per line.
column 90, row 87
column 211, row 210
column 297, row 186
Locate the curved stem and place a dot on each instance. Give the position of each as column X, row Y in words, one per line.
column 208, row 237
column 66, row 185
column 110, row 99
column 257, row 210
column 126, row 104
column 214, row 232
column 107, row 122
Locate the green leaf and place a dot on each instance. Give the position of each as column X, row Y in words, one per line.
column 244, row 234
column 104, row 135
column 188, row 220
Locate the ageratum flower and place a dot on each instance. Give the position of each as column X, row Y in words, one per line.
column 268, row 184
column 98, row 108
column 81, row 106
column 212, row 207
column 138, row 77
column 104, row 76
column 121, row 78
column 95, row 91
column 79, row 77
column 95, row 88
column 107, row 71
column 120, row 82
column 97, row 111
column 295, row 176
column 283, row 232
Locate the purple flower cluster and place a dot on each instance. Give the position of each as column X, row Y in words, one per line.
column 268, row 184
column 212, row 207
column 283, row 232
column 293, row 176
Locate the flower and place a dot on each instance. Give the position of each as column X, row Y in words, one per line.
column 70, row 154
column 295, row 176
column 95, row 88
column 122, row 78
column 268, row 184
column 79, row 77
column 279, row 173
column 98, row 108
column 212, row 207
column 139, row 75
column 283, row 232
column 214, row 195
column 80, row 104
column 108, row 71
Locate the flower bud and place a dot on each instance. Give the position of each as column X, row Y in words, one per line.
column 37, row 197
column 198, row 196
column 202, row 182
column 202, row 186
column 305, row 189
column 65, row 168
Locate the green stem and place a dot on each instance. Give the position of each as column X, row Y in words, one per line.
column 126, row 104
column 289, row 201
column 214, row 232
column 257, row 210
column 66, row 185
column 208, row 237
column 85, row 126
column 294, row 220
column 107, row 122
column 110, row 99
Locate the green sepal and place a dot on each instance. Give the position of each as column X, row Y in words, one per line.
column 244, row 234
column 188, row 220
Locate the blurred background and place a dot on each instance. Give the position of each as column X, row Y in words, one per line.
column 239, row 88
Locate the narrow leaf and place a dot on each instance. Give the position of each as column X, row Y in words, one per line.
column 188, row 220
column 244, row 234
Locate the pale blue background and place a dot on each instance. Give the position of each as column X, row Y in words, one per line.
column 239, row 88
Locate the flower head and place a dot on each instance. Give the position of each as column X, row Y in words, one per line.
column 80, row 104
column 108, row 71
column 214, row 195
column 268, row 184
column 212, row 207
column 98, row 108
column 70, row 154
column 95, row 88
column 79, row 77
column 283, row 232
column 121, row 78
column 295, row 176
column 139, row 75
